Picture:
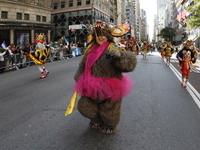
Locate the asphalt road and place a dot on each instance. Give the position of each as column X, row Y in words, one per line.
column 158, row 114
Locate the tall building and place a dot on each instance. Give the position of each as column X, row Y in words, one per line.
column 161, row 13
column 144, row 35
column 130, row 17
column 137, row 19
column 22, row 20
column 72, row 17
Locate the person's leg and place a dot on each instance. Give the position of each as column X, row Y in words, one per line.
column 89, row 109
column 110, row 114
column 45, row 70
column 187, row 79
column 42, row 72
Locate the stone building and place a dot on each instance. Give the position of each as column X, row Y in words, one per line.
column 22, row 20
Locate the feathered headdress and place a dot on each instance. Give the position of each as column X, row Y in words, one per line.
column 101, row 27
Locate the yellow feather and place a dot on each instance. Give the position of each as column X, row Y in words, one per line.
column 72, row 104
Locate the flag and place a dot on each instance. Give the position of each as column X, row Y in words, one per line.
column 178, row 16
column 183, row 13
column 3, row 45
column 66, row 42
column 180, row 25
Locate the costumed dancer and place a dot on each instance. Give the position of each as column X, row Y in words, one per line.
column 186, row 57
column 162, row 50
column 100, row 80
column 135, row 46
column 145, row 49
column 123, row 42
column 168, row 52
column 40, row 55
column 130, row 45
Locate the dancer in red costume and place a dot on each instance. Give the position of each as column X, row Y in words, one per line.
column 186, row 57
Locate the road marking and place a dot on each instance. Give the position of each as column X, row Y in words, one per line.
column 192, row 91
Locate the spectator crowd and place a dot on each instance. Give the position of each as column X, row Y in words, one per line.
column 17, row 56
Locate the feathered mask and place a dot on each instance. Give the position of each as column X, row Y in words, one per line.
column 110, row 28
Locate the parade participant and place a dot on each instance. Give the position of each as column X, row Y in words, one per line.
column 194, row 49
column 162, row 50
column 40, row 55
column 168, row 52
column 145, row 49
column 123, row 42
column 2, row 60
column 130, row 45
column 100, row 80
column 186, row 57
column 135, row 47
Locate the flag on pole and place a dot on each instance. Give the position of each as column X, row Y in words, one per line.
column 178, row 16
column 67, row 42
column 180, row 25
column 3, row 45
column 183, row 13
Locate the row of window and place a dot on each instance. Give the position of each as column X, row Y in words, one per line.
column 70, row 4
column 4, row 15
column 79, row 3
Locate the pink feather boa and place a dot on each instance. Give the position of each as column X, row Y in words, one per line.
column 101, row 87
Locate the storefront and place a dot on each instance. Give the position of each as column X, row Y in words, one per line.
column 22, row 33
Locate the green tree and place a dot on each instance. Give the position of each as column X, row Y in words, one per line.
column 167, row 34
column 194, row 20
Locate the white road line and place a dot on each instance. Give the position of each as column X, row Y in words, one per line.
column 192, row 91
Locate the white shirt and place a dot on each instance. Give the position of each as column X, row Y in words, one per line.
column 1, row 56
column 10, row 52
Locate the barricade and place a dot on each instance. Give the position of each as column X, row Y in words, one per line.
column 20, row 61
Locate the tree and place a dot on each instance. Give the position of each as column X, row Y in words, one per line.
column 194, row 20
column 167, row 34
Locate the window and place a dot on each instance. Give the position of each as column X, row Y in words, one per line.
column 19, row 16
column 4, row 15
column 55, row 6
column 87, row 2
column 26, row 16
column 38, row 18
column 44, row 19
column 70, row 3
column 62, row 5
column 79, row 2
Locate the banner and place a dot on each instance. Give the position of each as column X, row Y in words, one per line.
column 3, row 45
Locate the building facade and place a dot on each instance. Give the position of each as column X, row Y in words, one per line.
column 144, row 35
column 22, row 20
column 72, row 17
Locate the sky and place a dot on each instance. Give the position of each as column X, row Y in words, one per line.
column 150, row 6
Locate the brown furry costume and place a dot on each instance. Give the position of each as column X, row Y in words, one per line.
column 105, row 114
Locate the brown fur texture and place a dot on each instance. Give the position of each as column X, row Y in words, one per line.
column 105, row 112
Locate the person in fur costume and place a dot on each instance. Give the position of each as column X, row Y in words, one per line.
column 100, row 81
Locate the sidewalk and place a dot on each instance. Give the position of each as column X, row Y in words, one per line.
column 197, row 64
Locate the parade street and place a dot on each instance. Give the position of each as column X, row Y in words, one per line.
column 158, row 114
